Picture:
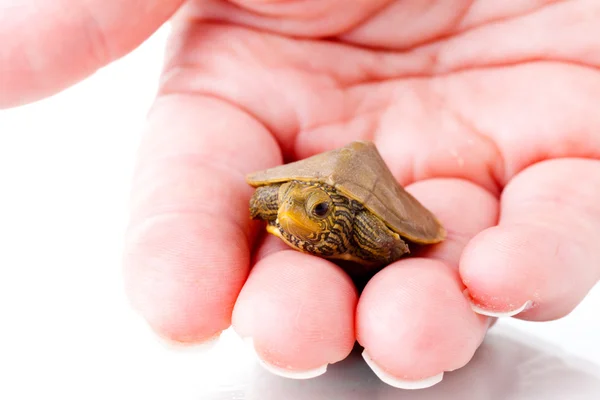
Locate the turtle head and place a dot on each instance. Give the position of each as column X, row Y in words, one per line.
column 305, row 211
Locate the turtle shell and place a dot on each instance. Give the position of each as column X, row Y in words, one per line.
column 358, row 171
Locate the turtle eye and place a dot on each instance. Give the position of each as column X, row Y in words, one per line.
column 320, row 209
column 318, row 204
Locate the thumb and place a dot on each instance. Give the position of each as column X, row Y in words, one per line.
column 49, row 45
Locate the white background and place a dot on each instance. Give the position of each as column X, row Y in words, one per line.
column 66, row 329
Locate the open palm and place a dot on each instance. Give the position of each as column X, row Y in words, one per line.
column 486, row 111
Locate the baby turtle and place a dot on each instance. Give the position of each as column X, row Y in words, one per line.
column 342, row 204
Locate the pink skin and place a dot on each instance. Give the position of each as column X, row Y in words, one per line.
column 487, row 111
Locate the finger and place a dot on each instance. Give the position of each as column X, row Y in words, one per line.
column 189, row 241
column 544, row 253
column 462, row 217
column 49, row 45
column 298, row 311
column 412, row 318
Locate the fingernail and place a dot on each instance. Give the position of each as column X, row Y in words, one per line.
column 500, row 314
column 288, row 373
column 285, row 372
column 204, row 346
column 497, row 314
column 400, row 383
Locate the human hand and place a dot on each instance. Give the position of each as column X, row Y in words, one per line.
column 485, row 111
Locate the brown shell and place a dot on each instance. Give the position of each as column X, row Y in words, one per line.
column 359, row 172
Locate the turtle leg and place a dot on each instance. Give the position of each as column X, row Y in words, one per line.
column 374, row 241
column 265, row 203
